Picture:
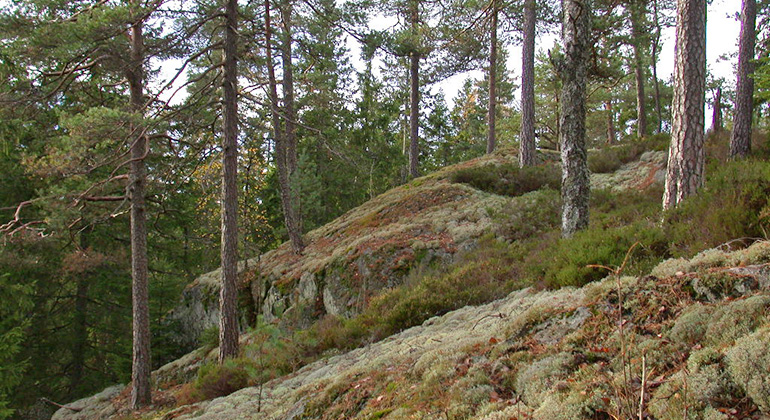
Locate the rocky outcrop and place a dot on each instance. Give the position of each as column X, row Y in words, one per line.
column 375, row 246
column 199, row 309
column 566, row 354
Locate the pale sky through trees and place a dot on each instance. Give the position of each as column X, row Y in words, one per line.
column 722, row 29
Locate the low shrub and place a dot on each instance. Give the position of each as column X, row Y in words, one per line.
column 610, row 159
column 734, row 203
column 209, row 339
column 566, row 262
column 604, row 161
column 509, row 179
column 217, row 380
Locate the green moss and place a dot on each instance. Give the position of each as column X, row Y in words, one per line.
column 697, row 391
column 691, row 326
column 535, row 382
column 737, row 319
column 749, row 366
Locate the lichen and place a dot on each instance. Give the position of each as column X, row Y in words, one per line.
column 749, row 366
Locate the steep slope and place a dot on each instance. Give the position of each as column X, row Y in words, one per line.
column 429, row 221
column 691, row 340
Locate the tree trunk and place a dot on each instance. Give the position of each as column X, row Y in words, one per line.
column 80, row 324
column 573, row 69
column 492, row 111
column 655, row 48
column 286, row 142
column 686, row 157
column 228, row 299
column 716, row 117
column 611, row 134
column 414, row 98
column 637, row 33
column 740, row 141
column 140, row 372
column 527, row 135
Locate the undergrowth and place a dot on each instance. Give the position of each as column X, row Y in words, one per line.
column 733, row 203
column 510, row 180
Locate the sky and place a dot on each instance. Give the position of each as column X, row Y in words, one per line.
column 722, row 30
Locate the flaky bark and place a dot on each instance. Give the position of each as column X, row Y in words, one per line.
column 140, row 370
column 684, row 173
column 740, row 141
column 492, row 109
column 228, row 302
column 573, row 69
column 527, row 134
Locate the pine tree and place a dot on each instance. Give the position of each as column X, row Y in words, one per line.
column 228, row 299
column 527, row 135
column 684, row 174
column 572, row 69
column 740, row 141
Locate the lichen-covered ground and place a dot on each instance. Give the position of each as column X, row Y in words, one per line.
column 691, row 340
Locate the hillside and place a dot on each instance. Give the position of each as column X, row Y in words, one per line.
column 686, row 336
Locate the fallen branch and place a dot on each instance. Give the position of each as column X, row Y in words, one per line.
column 68, row 407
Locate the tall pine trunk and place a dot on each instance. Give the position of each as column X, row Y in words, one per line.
column 716, row 116
column 140, row 370
column 611, row 133
column 655, row 48
column 228, row 322
column 575, row 188
column 527, row 134
column 492, row 110
column 286, row 142
column 638, row 9
column 684, row 173
column 414, row 97
column 740, row 141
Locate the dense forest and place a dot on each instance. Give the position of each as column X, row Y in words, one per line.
column 144, row 142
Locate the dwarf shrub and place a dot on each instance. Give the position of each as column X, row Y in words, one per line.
column 509, row 179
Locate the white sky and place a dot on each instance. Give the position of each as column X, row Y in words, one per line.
column 722, row 30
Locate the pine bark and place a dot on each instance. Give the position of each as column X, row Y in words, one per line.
column 656, row 82
column 527, row 134
column 573, row 70
column 611, row 133
column 492, row 109
column 286, row 142
column 716, row 116
column 684, row 173
column 80, row 334
column 740, row 141
column 228, row 322
column 141, row 364
column 414, row 98
column 638, row 9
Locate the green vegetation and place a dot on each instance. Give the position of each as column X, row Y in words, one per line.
column 508, row 179
column 217, row 380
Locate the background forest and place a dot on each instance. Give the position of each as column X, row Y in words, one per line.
column 316, row 131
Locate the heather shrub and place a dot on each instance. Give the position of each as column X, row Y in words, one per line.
column 217, row 380
column 733, row 204
column 509, row 179
column 573, row 261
